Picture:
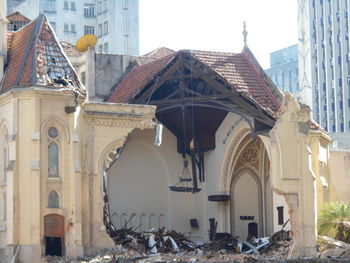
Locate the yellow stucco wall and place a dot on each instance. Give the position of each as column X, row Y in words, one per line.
column 85, row 138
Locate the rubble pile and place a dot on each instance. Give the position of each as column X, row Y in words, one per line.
column 159, row 241
column 330, row 247
column 170, row 246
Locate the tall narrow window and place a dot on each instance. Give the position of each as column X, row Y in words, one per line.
column 104, row 5
column 5, row 161
column 53, row 201
column 100, row 30
column 53, row 160
column 53, row 157
column 280, row 215
column 105, row 28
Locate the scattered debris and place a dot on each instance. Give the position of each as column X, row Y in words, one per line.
column 169, row 246
column 159, row 241
column 330, row 247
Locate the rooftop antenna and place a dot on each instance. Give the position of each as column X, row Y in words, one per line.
column 245, row 33
column 86, row 42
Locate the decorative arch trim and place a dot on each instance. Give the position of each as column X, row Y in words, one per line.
column 104, row 159
column 53, row 120
column 230, row 157
column 227, row 174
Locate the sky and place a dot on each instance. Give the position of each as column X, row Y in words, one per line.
column 217, row 25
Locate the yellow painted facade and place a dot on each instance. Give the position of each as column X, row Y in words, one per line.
column 85, row 139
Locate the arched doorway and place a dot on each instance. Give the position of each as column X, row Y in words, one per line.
column 249, row 168
column 246, row 210
column 54, row 235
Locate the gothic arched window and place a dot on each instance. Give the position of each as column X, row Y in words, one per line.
column 53, row 200
column 53, row 156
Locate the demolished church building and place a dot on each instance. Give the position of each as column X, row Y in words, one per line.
column 231, row 153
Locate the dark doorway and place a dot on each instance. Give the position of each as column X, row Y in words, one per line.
column 53, row 246
column 253, row 229
column 54, row 235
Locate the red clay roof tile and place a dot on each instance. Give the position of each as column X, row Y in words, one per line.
column 159, row 53
column 138, row 78
column 17, row 17
column 234, row 67
column 35, row 57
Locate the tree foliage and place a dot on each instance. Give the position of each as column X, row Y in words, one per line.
column 334, row 221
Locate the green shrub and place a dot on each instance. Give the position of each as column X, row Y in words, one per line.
column 334, row 221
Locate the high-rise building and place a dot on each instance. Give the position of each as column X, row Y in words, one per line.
column 115, row 23
column 324, row 67
column 284, row 69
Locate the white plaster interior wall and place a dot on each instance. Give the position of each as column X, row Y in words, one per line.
column 139, row 184
column 246, row 203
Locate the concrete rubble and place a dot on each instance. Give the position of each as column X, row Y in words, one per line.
column 169, row 246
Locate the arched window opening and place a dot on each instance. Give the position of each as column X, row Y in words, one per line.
column 53, row 160
column 53, row 200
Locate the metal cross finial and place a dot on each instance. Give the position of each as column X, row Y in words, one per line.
column 245, row 33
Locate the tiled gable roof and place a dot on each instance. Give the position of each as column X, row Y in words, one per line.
column 36, row 58
column 17, row 17
column 138, row 78
column 159, row 53
column 235, row 68
column 238, row 71
column 70, row 49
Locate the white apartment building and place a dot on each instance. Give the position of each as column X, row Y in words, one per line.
column 114, row 22
column 324, row 67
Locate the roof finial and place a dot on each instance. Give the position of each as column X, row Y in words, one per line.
column 245, row 33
